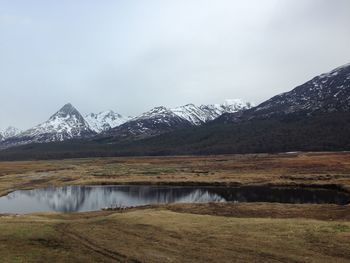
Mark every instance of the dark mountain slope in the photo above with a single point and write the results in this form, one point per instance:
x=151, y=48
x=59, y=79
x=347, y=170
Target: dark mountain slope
x=324, y=132
x=329, y=92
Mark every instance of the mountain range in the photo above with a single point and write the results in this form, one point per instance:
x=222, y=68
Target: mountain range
x=67, y=123
x=314, y=116
x=162, y=120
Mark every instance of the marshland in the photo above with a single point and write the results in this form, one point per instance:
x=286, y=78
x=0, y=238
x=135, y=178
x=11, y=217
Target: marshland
x=172, y=232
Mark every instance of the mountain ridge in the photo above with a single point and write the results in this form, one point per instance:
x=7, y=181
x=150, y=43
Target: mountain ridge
x=327, y=92
x=67, y=123
x=160, y=120
x=319, y=98
x=314, y=116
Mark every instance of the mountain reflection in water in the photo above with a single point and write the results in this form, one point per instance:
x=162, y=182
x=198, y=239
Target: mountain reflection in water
x=90, y=198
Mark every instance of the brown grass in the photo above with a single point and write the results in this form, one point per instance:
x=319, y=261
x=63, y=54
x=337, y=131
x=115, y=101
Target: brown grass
x=325, y=212
x=159, y=235
x=281, y=169
x=182, y=233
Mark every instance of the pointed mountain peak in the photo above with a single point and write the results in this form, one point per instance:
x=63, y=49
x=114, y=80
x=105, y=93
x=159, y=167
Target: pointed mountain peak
x=67, y=110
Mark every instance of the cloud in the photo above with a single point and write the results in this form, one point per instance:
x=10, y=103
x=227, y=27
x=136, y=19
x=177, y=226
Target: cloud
x=134, y=55
x=11, y=20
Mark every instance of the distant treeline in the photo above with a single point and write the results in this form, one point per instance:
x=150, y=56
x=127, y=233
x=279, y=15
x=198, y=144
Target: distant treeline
x=324, y=132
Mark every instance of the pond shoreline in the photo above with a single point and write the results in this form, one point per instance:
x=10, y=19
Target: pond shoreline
x=84, y=198
x=335, y=187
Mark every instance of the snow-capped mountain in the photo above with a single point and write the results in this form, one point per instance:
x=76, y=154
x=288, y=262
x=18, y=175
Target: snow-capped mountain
x=151, y=123
x=160, y=120
x=312, y=116
x=191, y=113
x=326, y=93
x=105, y=120
x=68, y=123
x=65, y=124
x=9, y=132
x=204, y=113
x=229, y=106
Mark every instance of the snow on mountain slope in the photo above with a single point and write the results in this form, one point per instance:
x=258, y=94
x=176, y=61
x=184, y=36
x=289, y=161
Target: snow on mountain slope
x=160, y=120
x=67, y=123
x=105, y=120
x=204, y=113
x=191, y=113
x=9, y=132
x=328, y=92
x=157, y=113
x=229, y=106
x=151, y=123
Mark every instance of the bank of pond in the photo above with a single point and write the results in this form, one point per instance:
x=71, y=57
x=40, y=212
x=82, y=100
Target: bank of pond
x=69, y=199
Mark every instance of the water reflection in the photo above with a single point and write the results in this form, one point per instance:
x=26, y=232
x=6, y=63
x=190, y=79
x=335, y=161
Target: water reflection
x=89, y=198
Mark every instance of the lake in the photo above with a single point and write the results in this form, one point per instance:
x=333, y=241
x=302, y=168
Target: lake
x=90, y=198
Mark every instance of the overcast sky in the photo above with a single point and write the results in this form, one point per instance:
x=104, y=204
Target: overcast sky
x=132, y=55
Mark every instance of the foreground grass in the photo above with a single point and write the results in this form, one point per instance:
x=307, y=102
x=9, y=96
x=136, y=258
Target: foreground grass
x=160, y=235
x=182, y=233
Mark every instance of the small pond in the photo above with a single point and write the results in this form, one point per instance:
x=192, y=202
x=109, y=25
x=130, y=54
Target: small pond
x=89, y=198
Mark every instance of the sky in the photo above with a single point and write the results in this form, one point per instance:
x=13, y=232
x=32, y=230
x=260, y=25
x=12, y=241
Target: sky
x=133, y=55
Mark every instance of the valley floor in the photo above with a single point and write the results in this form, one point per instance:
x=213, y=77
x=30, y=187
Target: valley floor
x=255, y=232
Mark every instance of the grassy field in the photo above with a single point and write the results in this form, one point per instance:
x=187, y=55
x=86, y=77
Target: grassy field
x=258, y=232
x=161, y=235
x=322, y=169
